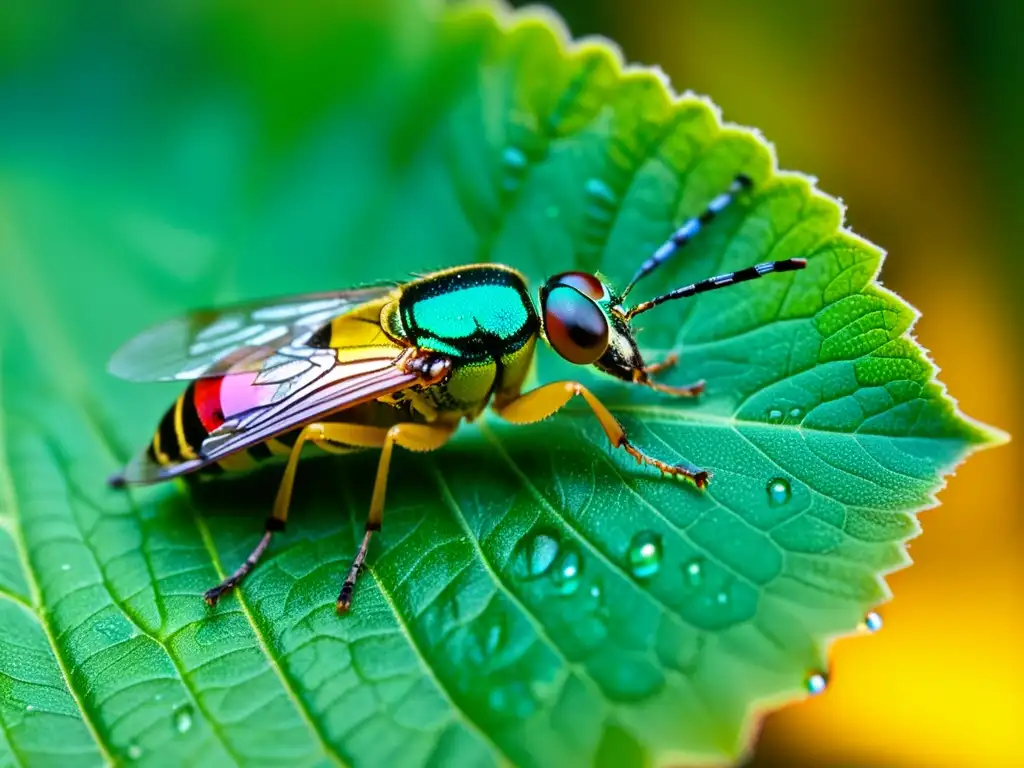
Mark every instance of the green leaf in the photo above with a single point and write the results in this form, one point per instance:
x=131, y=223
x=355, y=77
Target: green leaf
x=510, y=612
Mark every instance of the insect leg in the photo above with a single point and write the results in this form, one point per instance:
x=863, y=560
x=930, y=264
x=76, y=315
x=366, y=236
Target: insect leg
x=277, y=519
x=544, y=401
x=661, y=365
x=414, y=437
x=643, y=376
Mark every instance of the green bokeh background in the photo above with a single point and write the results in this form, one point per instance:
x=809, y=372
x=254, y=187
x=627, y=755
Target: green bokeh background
x=911, y=112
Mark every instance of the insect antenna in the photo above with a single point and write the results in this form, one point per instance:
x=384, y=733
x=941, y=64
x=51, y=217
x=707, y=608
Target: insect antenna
x=689, y=230
x=720, y=281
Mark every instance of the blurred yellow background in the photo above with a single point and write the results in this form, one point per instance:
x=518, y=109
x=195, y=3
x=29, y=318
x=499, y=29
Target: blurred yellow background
x=912, y=113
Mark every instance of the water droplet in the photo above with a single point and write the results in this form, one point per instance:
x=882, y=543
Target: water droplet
x=535, y=556
x=796, y=413
x=30, y=708
x=816, y=683
x=872, y=622
x=722, y=598
x=515, y=164
x=601, y=193
x=65, y=566
x=645, y=554
x=488, y=634
x=493, y=638
x=134, y=751
x=775, y=416
x=566, y=575
x=513, y=699
x=598, y=606
x=779, y=491
x=693, y=571
x=513, y=158
x=183, y=718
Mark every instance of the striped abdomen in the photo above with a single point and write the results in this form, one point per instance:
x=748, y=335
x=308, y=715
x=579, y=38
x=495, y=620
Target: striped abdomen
x=201, y=408
x=195, y=414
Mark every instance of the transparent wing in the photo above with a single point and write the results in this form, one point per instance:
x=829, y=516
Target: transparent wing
x=325, y=387
x=214, y=342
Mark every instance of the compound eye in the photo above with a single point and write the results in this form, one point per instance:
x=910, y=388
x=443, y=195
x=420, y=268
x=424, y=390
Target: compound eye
x=584, y=282
x=575, y=326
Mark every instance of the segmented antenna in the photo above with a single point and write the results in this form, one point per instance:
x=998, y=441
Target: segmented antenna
x=720, y=281
x=689, y=230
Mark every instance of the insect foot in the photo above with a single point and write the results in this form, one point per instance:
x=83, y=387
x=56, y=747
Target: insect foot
x=211, y=596
x=700, y=479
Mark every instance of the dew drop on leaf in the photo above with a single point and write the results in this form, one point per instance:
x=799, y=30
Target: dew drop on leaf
x=183, y=718
x=693, y=571
x=600, y=193
x=816, y=683
x=30, y=708
x=488, y=637
x=796, y=413
x=722, y=598
x=513, y=700
x=872, y=622
x=644, y=554
x=598, y=604
x=566, y=574
x=779, y=491
x=775, y=416
x=514, y=162
x=134, y=752
x=535, y=555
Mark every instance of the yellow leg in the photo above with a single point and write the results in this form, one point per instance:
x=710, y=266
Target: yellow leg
x=544, y=401
x=415, y=437
x=643, y=376
x=662, y=365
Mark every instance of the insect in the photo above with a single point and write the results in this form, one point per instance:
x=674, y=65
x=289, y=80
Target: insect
x=393, y=365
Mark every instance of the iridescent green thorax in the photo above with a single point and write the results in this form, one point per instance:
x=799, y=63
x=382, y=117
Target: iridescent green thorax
x=472, y=313
x=482, y=317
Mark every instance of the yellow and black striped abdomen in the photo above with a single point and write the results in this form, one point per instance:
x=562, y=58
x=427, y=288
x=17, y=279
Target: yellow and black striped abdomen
x=198, y=411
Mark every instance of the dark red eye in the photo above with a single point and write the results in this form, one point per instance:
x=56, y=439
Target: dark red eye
x=583, y=282
x=575, y=325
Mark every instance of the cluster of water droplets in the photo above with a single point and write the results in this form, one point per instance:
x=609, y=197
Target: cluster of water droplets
x=817, y=681
x=543, y=556
x=514, y=166
x=645, y=556
x=788, y=416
